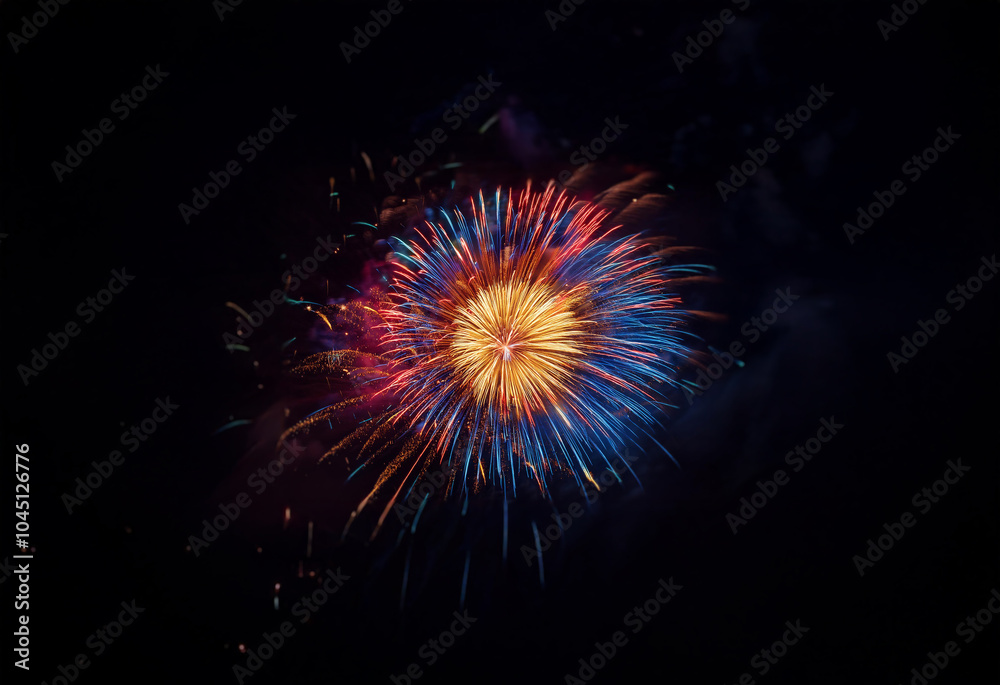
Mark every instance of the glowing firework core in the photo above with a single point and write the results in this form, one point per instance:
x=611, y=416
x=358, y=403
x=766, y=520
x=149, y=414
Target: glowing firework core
x=516, y=344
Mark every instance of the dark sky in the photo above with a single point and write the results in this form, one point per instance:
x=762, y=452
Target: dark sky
x=863, y=98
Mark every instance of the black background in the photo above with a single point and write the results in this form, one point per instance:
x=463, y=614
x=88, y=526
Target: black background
x=826, y=357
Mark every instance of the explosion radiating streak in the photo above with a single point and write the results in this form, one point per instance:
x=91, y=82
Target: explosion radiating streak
x=522, y=339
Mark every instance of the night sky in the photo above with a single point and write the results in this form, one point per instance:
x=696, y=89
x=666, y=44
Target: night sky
x=832, y=513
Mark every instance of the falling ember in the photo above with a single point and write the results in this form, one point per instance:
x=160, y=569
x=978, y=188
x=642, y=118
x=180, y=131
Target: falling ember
x=525, y=338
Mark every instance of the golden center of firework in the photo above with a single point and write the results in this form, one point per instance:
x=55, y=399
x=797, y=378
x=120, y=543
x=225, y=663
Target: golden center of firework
x=516, y=344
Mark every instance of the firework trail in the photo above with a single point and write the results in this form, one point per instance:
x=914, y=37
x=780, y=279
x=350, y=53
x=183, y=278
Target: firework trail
x=523, y=339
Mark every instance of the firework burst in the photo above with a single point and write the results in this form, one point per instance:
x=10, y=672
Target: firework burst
x=524, y=339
